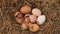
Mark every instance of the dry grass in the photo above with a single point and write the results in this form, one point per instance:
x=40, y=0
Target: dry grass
x=50, y=8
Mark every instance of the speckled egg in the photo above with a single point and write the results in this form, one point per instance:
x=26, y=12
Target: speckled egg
x=36, y=12
x=25, y=9
x=32, y=18
x=41, y=19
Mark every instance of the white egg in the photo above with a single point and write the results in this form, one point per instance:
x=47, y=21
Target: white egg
x=36, y=12
x=41, y=19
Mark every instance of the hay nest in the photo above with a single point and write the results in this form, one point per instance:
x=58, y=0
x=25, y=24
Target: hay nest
x=50, y=8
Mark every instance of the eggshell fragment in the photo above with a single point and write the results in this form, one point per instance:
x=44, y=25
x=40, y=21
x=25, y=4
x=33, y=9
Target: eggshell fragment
x=27, y=15
x=32, y=18
x=36, y=12
x=25, y=9
x=41, y=19
x=34, y=27
x=16, y=14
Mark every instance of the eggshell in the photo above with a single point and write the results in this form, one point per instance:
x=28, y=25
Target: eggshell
x=32, y=18
x=25, y=9
x=16, y=14
x=36, y=12
x=34, y=28
x=27, y=15
x=41, y=19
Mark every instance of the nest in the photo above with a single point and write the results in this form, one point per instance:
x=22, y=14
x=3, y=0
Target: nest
x=50, y=8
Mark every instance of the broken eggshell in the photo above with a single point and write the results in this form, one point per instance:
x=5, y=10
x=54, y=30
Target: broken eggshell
x=16, y=14
x=36, y=12
x=27, y=15
x=41, y=19
x=33, y=27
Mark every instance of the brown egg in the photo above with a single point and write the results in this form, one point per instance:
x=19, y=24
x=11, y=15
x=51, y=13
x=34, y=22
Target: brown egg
x=32, y=18
x=25, y=9
x=34, y=27
x=16, y=14
x=20, y=21
x=24, y=26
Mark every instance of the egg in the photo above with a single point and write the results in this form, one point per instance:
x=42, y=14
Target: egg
x=25, y=9
x=32, y=18
x=36, y=12
x=41, y=19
